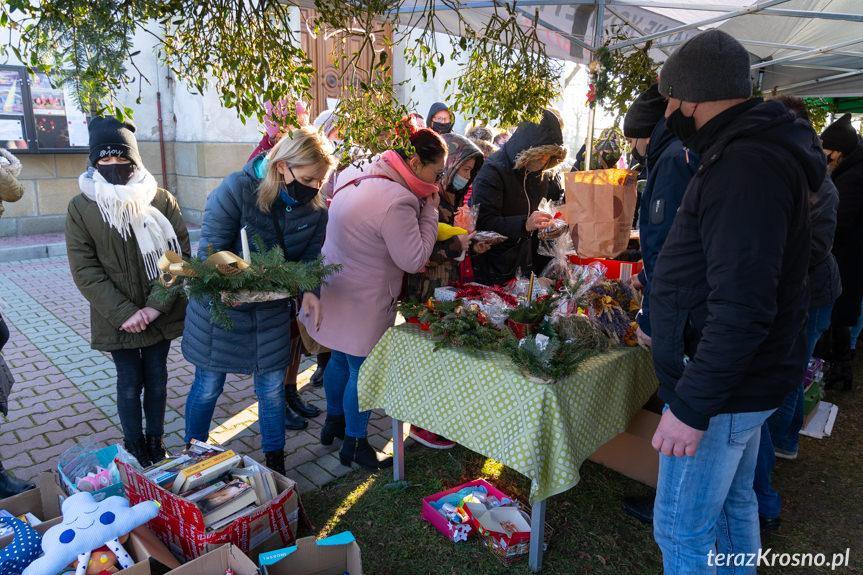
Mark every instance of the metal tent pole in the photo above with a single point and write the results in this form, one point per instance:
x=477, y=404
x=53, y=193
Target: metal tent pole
x=591, y=114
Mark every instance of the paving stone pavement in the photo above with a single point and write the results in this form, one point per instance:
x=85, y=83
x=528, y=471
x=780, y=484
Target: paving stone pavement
x=65, y=392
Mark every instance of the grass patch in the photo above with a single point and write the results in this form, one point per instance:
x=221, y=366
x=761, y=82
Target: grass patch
x=822, y=492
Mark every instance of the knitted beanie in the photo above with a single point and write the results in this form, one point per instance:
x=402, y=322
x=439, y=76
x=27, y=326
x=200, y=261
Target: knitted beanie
x=708, y=67
x=840, y=136
x=644, y=113
x=109, y=137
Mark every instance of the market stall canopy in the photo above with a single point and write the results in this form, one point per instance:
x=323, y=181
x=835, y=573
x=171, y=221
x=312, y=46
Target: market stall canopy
x=802, y=47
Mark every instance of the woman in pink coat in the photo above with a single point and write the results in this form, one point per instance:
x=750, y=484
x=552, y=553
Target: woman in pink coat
x=382, y=224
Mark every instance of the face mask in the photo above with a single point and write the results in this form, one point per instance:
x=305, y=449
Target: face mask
x=682, y=127
x=638, y=157
x=116, y=174
x=300, y=193
x=441, y=127
x=458, y=182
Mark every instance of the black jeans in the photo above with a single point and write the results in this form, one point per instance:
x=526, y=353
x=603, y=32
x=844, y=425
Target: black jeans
x=140, y=369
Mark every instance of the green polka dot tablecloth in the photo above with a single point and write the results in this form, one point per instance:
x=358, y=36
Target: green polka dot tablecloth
x=483, y=402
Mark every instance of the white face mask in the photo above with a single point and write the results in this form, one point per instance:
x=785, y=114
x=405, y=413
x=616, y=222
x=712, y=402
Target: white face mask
x=459, y=182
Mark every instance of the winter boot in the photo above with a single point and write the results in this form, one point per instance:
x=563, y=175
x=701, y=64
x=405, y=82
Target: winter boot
x=11, y=485
x=292, y=398
x=294, y=420
x=317, y=379
x=155, y=448
x=334, y=426
x=275, y=460
x=138, y=449
x=359, y=451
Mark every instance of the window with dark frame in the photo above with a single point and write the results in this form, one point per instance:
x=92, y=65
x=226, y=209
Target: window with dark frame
x=36, y=118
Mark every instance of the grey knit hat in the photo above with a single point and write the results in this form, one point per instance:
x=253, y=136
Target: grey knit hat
x=707, y=67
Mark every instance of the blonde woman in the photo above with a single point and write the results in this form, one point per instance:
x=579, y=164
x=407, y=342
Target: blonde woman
x=277, y=198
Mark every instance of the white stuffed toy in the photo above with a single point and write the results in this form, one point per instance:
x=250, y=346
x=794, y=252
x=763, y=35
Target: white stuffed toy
x=87, y=525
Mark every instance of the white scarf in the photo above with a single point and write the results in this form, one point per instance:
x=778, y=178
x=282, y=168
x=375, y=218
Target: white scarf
x=127, y=207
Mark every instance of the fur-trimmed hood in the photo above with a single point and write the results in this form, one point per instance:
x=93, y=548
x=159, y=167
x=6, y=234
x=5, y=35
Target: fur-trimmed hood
x=531, y=141
x=557, y=154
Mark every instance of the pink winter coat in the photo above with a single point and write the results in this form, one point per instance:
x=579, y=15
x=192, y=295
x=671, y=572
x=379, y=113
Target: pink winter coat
x=377, y=231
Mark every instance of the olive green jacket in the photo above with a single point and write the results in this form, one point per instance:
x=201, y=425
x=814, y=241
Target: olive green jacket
x=110, y=273
x=11, y=189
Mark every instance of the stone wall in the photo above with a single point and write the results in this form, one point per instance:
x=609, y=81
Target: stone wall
x=193, y=170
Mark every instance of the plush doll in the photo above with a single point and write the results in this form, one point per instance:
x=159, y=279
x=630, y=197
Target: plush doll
x=103, y=561
x=23, y=549
x=88, y=525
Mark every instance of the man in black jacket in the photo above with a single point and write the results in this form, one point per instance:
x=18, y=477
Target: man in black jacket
x=508, y=189
x=845, y=159
x=729, y=300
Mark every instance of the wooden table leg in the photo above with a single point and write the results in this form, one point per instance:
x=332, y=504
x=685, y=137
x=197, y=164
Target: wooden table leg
x=399, y=452
x=537, y=535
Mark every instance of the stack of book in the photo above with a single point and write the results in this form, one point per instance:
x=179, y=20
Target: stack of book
x=213, y=479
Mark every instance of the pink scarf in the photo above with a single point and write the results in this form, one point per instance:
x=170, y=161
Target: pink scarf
x=416, y=185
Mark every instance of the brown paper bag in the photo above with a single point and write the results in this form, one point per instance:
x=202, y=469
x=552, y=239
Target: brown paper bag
x=599, y=207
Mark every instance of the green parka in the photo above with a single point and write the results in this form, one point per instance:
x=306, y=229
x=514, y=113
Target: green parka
x=110, y=273
x=11, y=189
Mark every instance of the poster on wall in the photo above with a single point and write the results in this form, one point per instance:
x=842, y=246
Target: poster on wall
x=11, y=93
x=13, y=135
x=49, y=112
x=76, y=123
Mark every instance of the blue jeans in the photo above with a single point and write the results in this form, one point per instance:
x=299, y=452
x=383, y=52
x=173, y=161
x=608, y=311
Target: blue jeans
x=769, y=500
x=143, y=369
x=855, y=331
x=782, y=429
x=705, y=503
x=340, y=385
x=205, y=392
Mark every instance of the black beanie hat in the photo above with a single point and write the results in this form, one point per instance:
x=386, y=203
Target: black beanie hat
x=110, y=137
x=644, y=113
x=708, y=67
x=840, y=136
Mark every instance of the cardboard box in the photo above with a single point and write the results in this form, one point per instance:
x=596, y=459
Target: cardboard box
x=334, y=555
x=617, y=269
x=104, y=456
x=43, y=502
x=217, y=561
x=455, y=531
x=150, y=555
x=630, y=452
x=181, y=526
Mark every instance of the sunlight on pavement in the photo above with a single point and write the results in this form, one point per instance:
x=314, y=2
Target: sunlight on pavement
x=345, y=506
x=244, y=419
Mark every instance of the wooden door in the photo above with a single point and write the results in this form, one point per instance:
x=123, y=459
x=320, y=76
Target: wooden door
x=327, y=82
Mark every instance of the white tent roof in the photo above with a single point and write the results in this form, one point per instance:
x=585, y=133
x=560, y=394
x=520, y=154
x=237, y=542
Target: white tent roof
x=802, y=47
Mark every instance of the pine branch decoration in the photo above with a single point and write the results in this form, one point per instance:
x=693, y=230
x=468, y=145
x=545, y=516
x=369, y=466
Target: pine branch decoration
x=550, y=363
x=268, y=272
x=467, y=327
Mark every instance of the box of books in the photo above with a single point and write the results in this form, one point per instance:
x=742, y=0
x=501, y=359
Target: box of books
x=211, y=496
x=335, y=554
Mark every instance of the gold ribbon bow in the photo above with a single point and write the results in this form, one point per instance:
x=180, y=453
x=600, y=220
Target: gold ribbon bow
x=172, y=266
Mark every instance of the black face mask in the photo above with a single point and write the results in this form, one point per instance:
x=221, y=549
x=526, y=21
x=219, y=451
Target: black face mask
x=441, y=127
x=301, y=193
x=682, y=127
x=638, y=157
x=117, y=174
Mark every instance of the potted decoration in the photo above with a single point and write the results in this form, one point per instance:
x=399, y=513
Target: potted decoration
x=522, y=320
